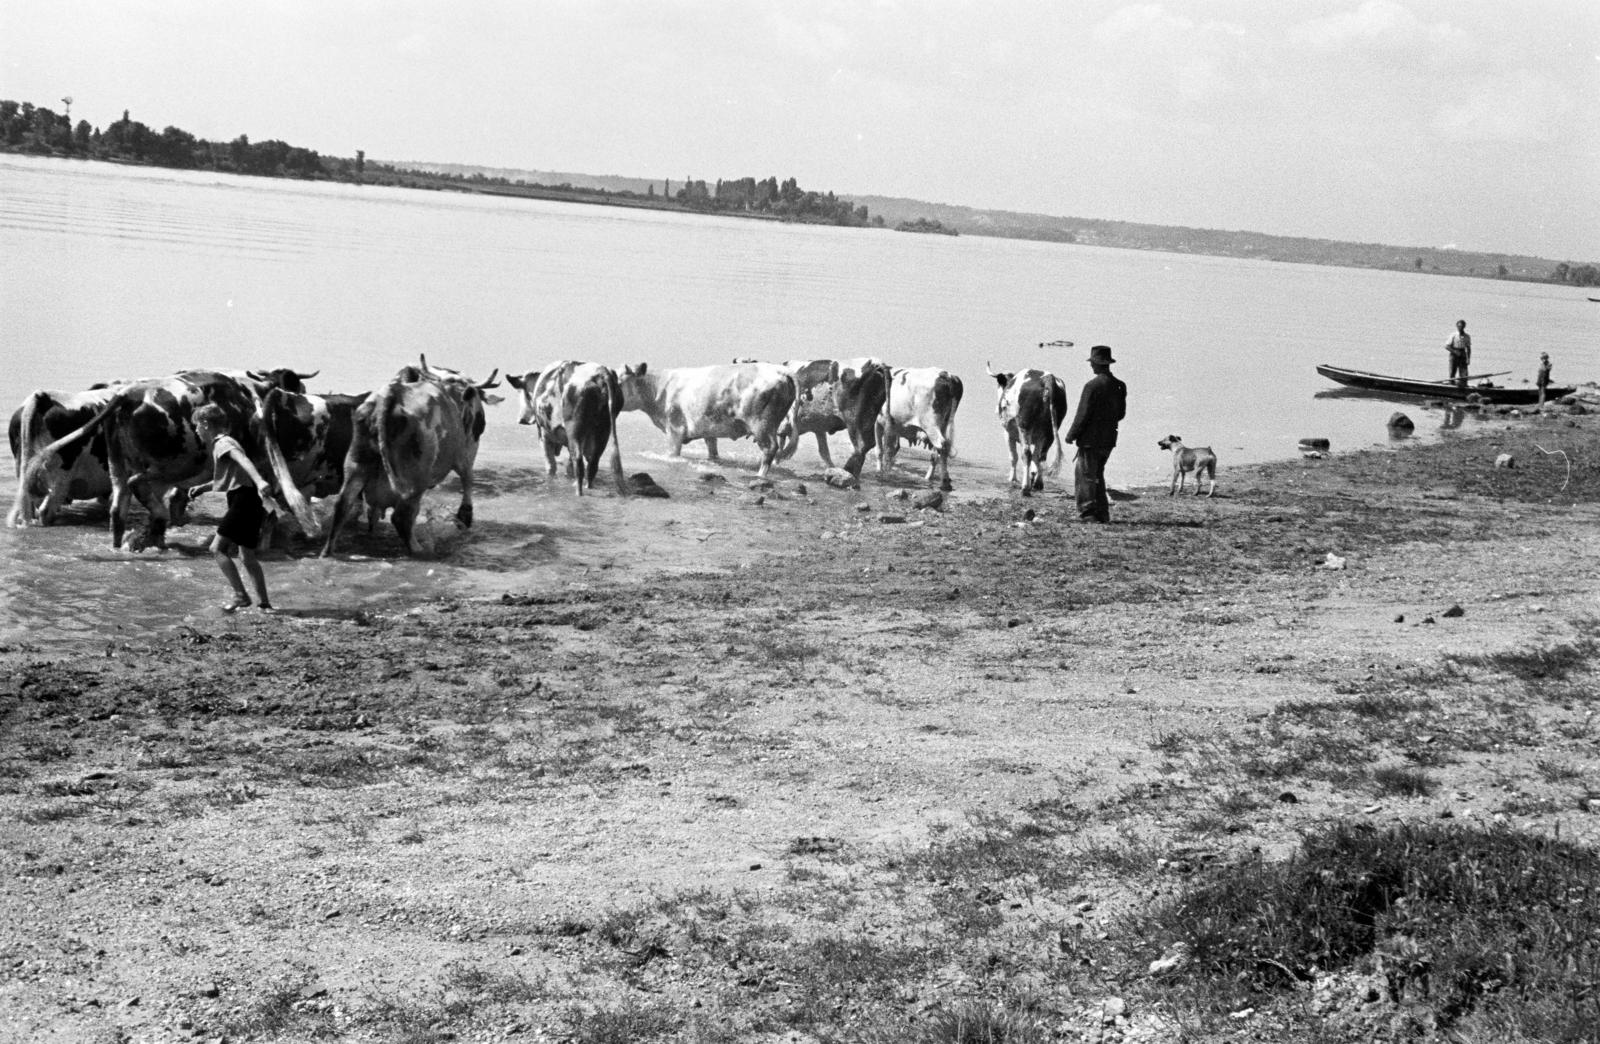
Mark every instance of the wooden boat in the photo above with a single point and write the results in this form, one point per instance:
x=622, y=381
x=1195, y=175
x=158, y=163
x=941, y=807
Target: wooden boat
x=1483, y=390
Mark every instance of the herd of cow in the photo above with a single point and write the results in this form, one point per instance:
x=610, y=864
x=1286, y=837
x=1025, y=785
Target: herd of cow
x=136, y=440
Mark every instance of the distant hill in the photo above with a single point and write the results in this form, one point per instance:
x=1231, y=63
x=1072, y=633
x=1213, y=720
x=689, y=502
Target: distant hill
x=1181, y=240
x=898, y=212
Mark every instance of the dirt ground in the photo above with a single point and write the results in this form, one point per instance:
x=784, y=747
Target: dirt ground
x=727, y=806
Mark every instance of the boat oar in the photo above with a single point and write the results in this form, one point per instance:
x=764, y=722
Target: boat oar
x=1474, y=377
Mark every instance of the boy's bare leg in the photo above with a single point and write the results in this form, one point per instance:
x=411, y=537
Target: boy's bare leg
x=252, y=565
x=220, y=549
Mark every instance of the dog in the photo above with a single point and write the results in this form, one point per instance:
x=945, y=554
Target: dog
x=1199, y=460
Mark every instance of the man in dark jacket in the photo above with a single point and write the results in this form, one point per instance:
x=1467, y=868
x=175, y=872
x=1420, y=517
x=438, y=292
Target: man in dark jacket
x=1101, y=405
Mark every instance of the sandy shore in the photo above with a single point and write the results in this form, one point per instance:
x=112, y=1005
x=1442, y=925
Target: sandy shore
x=644, y=809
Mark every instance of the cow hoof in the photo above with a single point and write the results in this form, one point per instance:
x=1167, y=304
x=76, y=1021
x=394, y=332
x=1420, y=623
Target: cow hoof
x=946, y=486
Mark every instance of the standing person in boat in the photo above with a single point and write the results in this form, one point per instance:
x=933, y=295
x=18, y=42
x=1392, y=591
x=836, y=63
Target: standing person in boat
x=1543, y=379
x=1101, y=405
x=1460, y=349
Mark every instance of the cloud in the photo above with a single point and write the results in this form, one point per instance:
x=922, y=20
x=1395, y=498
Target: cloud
x=1521, y=107
x=1378, y=25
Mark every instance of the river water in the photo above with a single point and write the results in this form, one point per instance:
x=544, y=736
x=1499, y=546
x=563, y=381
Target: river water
x=108, y=272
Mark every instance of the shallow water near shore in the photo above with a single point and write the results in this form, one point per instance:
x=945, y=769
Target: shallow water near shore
x=109, y=272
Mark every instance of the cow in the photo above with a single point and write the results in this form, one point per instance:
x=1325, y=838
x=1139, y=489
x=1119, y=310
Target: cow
x=307, y=438
x=82, y=472
x=839, y=395
x=280, y=377
x=1031, y=405
x=921, y=406
x=591, y=399
x=716, y=402
x=77, y=472
x=541, y=406
x=152, y=448
x=421, y=426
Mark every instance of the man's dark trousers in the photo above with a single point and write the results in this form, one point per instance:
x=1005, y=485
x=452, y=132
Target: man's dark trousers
x=1089, y=484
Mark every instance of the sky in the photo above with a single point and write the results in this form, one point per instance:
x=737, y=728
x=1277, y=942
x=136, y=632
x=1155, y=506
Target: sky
x=1472, y=124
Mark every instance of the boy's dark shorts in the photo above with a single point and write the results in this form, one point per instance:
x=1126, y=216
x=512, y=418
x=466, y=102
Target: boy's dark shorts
x=246, y=515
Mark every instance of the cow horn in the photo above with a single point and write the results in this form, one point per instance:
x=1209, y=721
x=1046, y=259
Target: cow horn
x=423, y=356
x=308, y=376
x=491, y=382
x=255, y=375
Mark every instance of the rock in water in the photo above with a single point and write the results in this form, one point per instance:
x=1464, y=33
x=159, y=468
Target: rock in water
x=1400, y=424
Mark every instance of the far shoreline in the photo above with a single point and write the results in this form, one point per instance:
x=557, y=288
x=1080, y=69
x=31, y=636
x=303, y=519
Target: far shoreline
x=964, y=220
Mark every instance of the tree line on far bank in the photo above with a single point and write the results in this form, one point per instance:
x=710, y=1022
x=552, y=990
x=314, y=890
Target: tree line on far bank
x=27, y=128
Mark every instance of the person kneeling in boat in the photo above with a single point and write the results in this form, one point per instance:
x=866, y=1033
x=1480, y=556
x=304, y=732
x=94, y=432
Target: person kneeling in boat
x=1460, y=349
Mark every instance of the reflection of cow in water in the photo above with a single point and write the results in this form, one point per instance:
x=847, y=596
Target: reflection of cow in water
x=409, y=435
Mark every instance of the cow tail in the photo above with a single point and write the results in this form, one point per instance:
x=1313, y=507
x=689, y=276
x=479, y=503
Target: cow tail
x=23, y=508
x=1055, y=430
x=950, y=425
x=36, y=461
x=288, y=489
x=380, y=417
x=884, y=415
x=613, y=409
x=793, y=421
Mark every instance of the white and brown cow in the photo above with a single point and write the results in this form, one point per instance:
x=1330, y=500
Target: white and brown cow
x=716, y=402
x=590, y=402
x=1031, y=406
x=541, y=392
x=921, y=407
x=407, y=436
x=76, y=472
x=839, y=395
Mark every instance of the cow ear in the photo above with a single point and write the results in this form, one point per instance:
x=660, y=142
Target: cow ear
x=515, y=381
x=641, y=369
x=493, y=400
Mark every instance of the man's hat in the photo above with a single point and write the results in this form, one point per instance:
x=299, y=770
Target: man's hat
x=1101, y=353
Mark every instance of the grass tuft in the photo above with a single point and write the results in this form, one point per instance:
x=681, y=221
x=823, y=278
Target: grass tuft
x=1001, y=1021
x=1495, y=926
